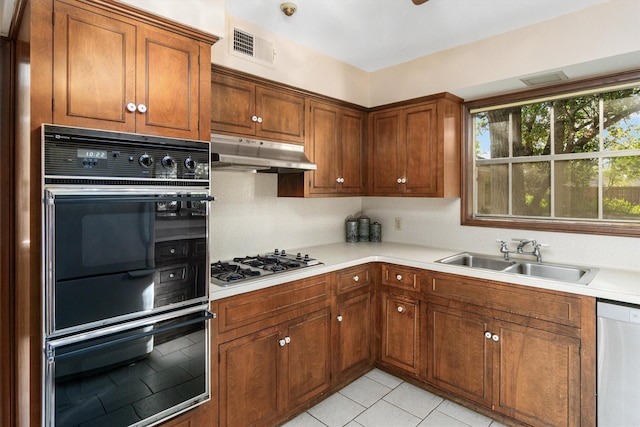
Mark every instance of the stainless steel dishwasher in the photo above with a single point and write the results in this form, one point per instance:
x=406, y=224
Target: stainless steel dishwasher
x=618, y=365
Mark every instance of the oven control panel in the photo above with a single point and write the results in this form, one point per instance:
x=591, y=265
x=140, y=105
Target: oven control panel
x=73, y=155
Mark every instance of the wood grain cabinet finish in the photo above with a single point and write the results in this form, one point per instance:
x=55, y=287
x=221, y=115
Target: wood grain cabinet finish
x=336, y=144
x=353, y=323
x=245, y=108
x=400, y=332
x=527, y=354
x=400, y=277
x=114, y=73
x=415, y=148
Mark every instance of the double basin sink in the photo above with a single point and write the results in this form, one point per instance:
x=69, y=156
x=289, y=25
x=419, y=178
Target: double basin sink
x=563, y=273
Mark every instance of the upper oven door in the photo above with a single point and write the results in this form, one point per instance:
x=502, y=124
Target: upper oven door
x=113, y=255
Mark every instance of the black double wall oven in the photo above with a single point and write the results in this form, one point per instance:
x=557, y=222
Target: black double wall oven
x=126, y=277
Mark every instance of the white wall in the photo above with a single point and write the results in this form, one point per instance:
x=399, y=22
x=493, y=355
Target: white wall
x=248, y=218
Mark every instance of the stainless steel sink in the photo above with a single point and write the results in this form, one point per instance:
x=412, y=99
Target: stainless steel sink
x=478, y=261
x=563, y=273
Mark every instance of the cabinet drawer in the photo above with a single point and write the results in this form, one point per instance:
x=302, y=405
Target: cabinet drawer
x=539, y=304
x=272, y=305
x=353, y=278
x=172, y=274
x=172, y=250
x=400, y=277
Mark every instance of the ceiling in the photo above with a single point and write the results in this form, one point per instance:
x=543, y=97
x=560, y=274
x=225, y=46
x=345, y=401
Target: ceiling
x=375, y=34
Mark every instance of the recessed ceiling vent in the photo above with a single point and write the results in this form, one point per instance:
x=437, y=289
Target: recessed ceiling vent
x=251, y=47
x=544, y=79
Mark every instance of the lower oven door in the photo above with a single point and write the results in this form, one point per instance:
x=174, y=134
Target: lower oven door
x=134, y=374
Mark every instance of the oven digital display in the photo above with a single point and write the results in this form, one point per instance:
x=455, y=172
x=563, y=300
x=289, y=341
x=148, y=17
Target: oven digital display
x=85, y=153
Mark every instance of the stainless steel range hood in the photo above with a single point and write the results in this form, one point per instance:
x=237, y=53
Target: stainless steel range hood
x=251, y=155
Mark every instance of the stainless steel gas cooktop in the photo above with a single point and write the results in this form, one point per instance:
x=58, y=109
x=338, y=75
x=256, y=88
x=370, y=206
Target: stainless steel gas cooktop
x=241, y=269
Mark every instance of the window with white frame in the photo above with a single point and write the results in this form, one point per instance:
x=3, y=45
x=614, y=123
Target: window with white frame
x=571, y=158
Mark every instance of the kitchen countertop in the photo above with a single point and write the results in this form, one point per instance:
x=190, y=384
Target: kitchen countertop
x=614, y=284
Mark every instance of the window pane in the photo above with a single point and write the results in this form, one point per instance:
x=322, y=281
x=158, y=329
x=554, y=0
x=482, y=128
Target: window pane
x=531, y=189
x=576, y=124
x=493, y=189
x=531, y=130
x=621, y=182
x=492, y=134
x=622, y=120
x=576, y=188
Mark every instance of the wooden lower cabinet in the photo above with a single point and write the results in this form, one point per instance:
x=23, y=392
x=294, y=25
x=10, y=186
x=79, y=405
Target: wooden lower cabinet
x=273, y=370
x=353, y=336
x=400, y=332
x=538, y=372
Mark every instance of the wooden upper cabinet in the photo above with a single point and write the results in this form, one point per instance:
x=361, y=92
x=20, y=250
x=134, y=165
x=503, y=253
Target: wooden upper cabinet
x=336, y=145
x=115, y=73
x=245, y=108
x=415, y=148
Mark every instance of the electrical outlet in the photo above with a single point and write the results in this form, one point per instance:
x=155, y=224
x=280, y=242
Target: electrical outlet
x=398, y=223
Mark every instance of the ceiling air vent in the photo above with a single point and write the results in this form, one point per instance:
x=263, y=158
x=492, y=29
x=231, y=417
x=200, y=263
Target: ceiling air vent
x=543, y=79
x=248, y=46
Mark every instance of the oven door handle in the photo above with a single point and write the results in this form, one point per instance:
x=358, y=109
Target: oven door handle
x=51, y=346
x=142, y=273
x=150, y=198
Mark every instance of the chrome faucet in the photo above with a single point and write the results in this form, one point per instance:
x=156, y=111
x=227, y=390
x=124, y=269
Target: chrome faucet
x=504, y=249
x=535, y=251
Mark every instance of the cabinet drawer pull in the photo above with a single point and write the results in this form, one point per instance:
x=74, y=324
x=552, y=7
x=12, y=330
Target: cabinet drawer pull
x=398, y=276
x=356, y=278
x=339, y=318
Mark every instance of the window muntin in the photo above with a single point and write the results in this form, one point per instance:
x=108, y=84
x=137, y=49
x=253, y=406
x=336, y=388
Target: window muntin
x=570, y=158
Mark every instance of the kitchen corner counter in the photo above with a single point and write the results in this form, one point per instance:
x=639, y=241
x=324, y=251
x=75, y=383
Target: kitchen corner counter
x=614, y=284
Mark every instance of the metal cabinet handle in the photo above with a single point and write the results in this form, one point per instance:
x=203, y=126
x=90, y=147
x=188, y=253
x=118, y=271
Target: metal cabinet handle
x=356, y=278
x=339, y=318
x=142, y=108
x=398, y=276
x=172, y=251
x=400, y=309
x=131, y=107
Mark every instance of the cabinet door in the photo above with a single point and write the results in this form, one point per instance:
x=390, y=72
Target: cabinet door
x=233, y=104
x=385, y=152
x=459, y=354
x=168, y=84
x=93, y=69
x=281, y=115
x=324, y=147
x=308, y=371
x=420, y=161
x=400, y=332
x=353, y=321
x=248, y=379
x=537, y=376
x=351, y=161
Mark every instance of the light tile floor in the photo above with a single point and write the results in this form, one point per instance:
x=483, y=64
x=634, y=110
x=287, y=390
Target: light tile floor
x=378, y=399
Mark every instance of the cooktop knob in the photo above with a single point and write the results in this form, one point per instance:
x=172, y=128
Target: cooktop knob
x=306, y=257
x=168, y=162
x=283, y=252
x=145, y=160
x=298, y=255
x=190, y=163
x=276, y=252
